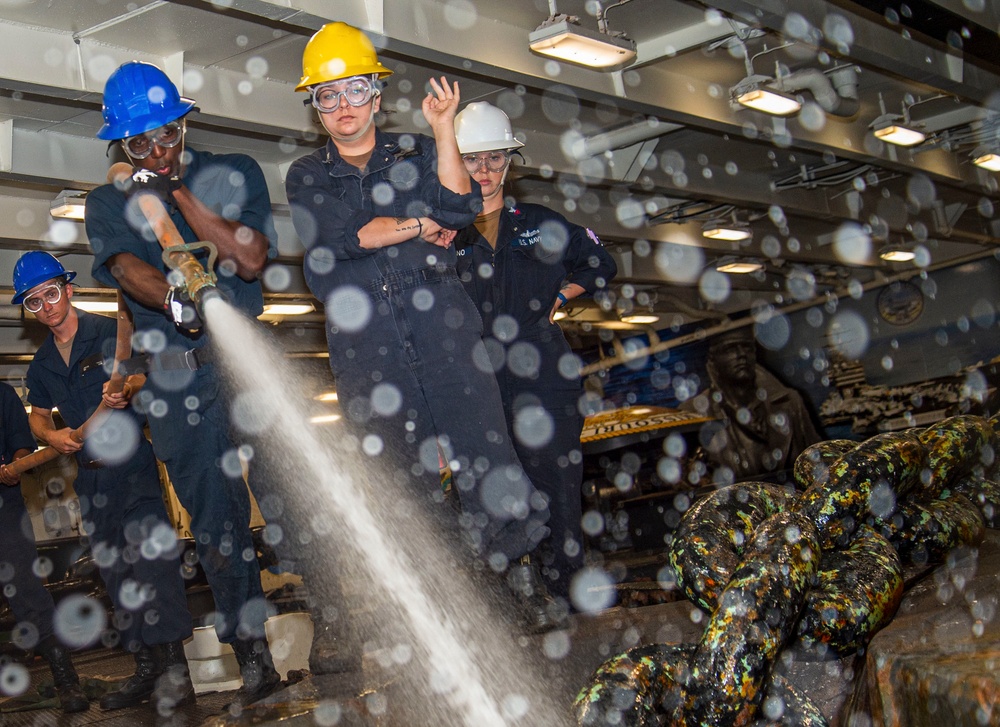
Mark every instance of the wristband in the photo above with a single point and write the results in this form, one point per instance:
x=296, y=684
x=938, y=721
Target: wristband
x=563, y=298
x=420, y=226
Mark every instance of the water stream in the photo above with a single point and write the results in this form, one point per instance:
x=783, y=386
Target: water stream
x=474, y=671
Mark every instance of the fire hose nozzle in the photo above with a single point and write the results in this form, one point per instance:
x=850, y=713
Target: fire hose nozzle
x=199, y=280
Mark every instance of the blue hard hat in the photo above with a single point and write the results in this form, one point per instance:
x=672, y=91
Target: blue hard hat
x=138, y=97
x=34, y=268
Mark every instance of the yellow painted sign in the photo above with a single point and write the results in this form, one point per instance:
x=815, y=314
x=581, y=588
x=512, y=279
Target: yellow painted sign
x=636, y=419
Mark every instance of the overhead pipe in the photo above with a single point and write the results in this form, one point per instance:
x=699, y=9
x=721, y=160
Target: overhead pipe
x=635, y=133
x=623, y=357
x=836, y=92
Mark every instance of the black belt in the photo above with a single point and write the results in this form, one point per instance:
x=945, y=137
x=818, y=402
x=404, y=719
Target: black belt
x=409, y=279
x=190, y=360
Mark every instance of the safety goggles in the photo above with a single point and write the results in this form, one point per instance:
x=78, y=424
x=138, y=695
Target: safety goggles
x=167, y=136
x=50, y=294
x=356, y=91
x=495, y=161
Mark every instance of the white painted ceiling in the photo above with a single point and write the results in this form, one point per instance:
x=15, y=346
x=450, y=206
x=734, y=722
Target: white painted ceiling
x=822, y=195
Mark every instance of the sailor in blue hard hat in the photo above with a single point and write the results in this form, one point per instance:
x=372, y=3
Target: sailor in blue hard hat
x=222, y=199
x=117, y=481
x=143, y=109
x=34, y=268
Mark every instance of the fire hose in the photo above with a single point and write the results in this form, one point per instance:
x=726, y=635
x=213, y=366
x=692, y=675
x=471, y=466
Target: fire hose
x=177, y=255
x=117, y=383
x=199, y=280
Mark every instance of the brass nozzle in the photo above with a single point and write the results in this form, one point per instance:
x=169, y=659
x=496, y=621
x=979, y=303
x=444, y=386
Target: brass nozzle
x=198, y=281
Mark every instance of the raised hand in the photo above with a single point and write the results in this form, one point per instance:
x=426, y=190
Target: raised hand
x=441, y=105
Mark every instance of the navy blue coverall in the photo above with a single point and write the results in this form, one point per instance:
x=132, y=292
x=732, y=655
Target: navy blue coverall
x=29, y=600
x=187, y=410
x=405, y=340
x=514, y=287
x=118, y=486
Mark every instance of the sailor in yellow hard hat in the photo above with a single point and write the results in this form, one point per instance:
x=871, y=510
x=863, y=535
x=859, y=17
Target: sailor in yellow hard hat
x=340, y=62
x=377, y=212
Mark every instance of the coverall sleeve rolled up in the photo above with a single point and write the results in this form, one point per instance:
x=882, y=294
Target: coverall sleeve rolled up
x=450, y=210
x=320, y=218
x=111, y=230
x=455, y=211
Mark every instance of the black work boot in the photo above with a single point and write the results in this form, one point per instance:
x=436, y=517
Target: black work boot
x=541, y=612
x=257, y=669
x=138, y=687
x=173, y=688
x=333, y=651
x=67, y=683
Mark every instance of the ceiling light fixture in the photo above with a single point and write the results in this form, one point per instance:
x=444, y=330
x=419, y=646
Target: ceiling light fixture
x=988, y=161
x=613, y=325
x=897, y=254
x=640, y=319
x=96, y=306
x=898, y=129
x=288, y=309
x=728, y=231
x=769, y=101
x=69, y=204
x=899, y=134
x=562, y=37
x=327, y=396
x=739, y=268
x=764, y=94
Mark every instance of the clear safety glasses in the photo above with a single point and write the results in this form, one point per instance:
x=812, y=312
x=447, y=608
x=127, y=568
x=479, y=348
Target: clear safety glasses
x=50, y=294
x=495, y=161
x=167, y=136
x=356, y=91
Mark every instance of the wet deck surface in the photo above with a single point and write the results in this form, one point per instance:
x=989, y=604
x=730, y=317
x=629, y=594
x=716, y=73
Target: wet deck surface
x=933, y=647
x=107, y=666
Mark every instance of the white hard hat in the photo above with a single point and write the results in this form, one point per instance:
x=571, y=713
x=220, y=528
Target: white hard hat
x=483, y=127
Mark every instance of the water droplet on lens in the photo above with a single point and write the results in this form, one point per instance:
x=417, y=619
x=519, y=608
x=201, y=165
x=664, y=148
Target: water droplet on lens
x=79, y=621
x=592, y=590
x=14, y=679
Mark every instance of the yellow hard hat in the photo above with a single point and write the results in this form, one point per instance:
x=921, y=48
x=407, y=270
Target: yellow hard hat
x=338, y=50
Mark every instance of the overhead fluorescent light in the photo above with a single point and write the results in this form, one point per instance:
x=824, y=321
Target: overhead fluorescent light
x=327, y=396
x=640, y=319
x=739, y=268
x=68, y=205
x=897, y=255
x=288, y=309
x=613, y=325
x=988, y=161
x=730, y=233
x=899, y=135
x=324, y=419
x=96, y=306
x=563, y=39
x=769, y=100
